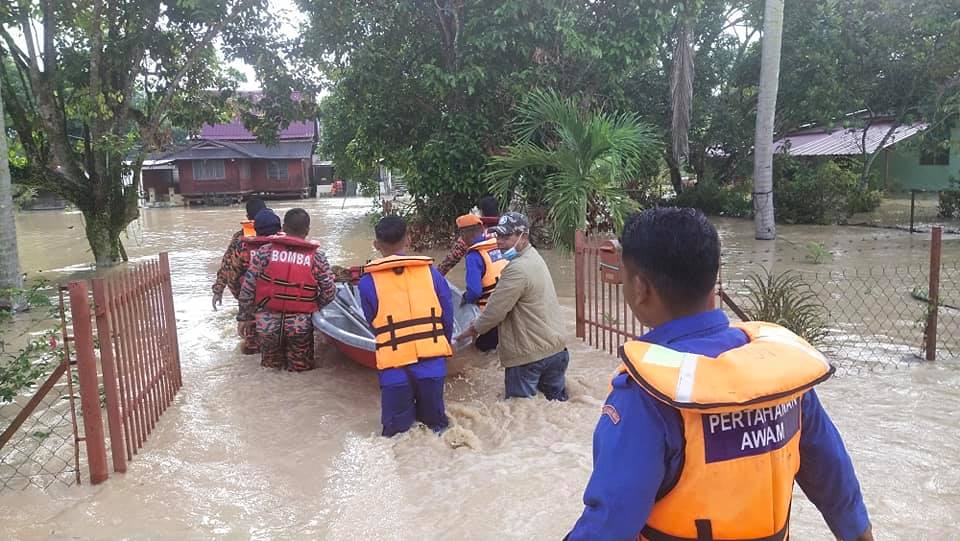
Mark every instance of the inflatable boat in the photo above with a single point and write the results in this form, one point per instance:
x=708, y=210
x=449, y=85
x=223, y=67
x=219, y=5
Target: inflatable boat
x=342, y=321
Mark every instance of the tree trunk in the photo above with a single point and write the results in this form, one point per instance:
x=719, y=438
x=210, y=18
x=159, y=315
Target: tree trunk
x=676, y=177
x=10, y=277
x=681, y=94
x=763, y=215
x=104, y=239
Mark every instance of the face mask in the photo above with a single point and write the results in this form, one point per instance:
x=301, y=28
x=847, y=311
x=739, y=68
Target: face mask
x=512, y=253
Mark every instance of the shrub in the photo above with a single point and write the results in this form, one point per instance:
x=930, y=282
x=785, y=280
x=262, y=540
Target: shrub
x=785, y=299
x=715, y=200
x=949, y=206
x=825, y=193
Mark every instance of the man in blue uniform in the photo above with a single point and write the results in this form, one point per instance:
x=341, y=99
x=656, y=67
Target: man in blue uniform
x=484, y=264
x=670, y=262
x=411, y=383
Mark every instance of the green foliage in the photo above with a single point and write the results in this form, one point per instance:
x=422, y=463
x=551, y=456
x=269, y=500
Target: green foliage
x=715, y=200
x=88, y=102
x=949, y=205
x=861, y=200
x=28, y=364
x=430, y=87
x=579, y=160
x=807, y=192
x=785, y=299
x=817, y=253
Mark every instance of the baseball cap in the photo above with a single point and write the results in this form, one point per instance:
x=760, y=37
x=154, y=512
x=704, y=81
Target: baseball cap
x=468, y=220
x=511, y=223
x=266, y=223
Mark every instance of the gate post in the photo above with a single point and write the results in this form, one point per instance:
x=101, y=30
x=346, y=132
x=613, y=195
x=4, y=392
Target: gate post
x=579, y=281
x=170, y=315
x=89, y=389
x=110, y=380
x=933, y=293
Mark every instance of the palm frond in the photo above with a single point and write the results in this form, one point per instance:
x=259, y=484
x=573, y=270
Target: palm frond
x=587, y=156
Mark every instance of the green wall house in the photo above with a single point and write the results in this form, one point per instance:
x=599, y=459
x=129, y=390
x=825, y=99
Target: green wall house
x=924, y=167
x=913, y=158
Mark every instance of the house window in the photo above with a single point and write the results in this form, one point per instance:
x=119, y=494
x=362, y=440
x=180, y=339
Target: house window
x=276, y=170
x=208, y=170
x=245, y=169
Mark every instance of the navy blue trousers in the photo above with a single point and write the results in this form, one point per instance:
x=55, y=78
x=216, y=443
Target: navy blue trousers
x=420, y=399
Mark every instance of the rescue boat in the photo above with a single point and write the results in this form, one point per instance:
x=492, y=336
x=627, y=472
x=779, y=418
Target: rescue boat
x=343, y=323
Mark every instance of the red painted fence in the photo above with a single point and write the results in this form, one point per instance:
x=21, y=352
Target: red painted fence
x=139, y=359
x=603, y=318
x=605, y=321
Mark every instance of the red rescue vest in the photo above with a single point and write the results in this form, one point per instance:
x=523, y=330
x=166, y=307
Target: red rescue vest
x=287, y=284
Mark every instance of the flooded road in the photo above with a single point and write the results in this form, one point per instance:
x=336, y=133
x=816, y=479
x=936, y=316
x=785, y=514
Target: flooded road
x=248, y=453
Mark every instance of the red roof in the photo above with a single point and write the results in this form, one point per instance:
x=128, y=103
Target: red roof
x=234, y=131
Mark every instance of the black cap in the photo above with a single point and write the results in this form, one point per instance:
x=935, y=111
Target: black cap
x=510, y=223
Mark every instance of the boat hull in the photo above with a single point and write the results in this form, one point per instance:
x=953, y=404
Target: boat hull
x=343, y=324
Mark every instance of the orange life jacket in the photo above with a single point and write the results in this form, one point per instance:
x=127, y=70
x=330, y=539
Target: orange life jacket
x=248, y=229
x=741, y=417
x=287, y=284
x=493, y=263
x=408, y=325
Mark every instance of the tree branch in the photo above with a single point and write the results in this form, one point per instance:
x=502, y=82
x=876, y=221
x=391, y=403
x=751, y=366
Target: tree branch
x=192, y=59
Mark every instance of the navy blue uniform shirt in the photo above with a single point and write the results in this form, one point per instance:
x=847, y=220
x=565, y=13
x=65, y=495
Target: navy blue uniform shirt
x=637, y=457
x=476, y=268
x=426, y=368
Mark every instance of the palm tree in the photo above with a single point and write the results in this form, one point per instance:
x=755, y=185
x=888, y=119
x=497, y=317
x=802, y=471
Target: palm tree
x=763, y=216
x=10, y=277
x=580, y=161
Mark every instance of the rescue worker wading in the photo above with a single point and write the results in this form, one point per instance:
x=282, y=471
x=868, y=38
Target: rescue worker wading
x=232, y=265
x=489, y=217
x=265, y=224
x=288, y=279
x=708, y=424
x=408, y=305
x=484, y=263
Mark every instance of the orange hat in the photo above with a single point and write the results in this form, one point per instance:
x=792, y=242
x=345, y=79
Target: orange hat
x=468, y=220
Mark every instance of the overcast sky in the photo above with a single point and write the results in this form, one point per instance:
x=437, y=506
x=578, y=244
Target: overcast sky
x=290, y=18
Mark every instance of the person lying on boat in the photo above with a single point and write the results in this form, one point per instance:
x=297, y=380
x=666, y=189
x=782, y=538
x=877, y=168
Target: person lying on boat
x=489, y=216
x=288, y=279
x=525, y=307
x=484, y=264
x=231, y=266
x=709, y=424
x=408, y=304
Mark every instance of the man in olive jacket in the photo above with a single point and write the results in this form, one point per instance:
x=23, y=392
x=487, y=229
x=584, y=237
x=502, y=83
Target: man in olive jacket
x=524, y=305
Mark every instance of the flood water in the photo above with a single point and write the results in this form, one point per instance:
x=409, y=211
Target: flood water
x=249, y=453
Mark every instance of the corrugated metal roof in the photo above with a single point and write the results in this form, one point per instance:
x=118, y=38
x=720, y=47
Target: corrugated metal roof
x=844, y=142
x=234, y=131
x=223, y=150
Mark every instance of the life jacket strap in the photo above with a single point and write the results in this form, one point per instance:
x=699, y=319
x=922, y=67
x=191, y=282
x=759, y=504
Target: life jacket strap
x=281, y=282
x=705, y=533
x=286, y=297
x=392, y=327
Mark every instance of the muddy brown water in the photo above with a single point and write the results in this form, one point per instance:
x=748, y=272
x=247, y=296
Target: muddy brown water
x=247, y=453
